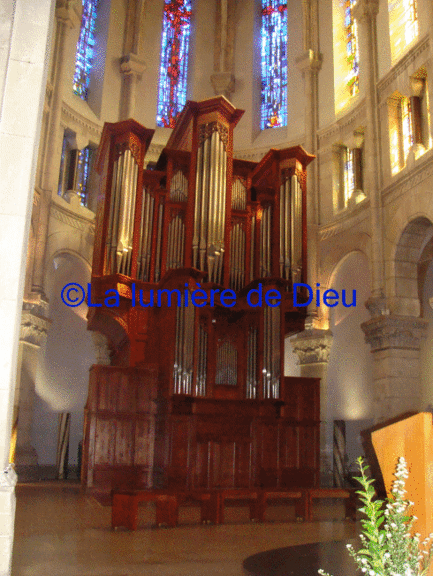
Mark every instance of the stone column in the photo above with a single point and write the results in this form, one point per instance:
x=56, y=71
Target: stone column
x=25, y=33
x=131, y=67
x=34, y=326
x=310, y=63
x=312, y=347
x=68, y=17
x=395, y=344
x=223, y=80
x=365, y=12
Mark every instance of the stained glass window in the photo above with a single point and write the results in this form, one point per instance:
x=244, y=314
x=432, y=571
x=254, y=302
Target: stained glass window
x=86, y=43
x=406, y=126
x=349, y=175
x=173, y=72
x=83, y=172
x=403, y=26
x=352, y=55
x=274, y=64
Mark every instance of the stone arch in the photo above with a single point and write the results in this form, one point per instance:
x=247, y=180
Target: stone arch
x=411, y=249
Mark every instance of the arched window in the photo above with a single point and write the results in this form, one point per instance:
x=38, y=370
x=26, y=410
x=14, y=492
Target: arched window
x=403, y=26
x=273, y=109
x=84, y=53
x=173, y=71
x=346, y=53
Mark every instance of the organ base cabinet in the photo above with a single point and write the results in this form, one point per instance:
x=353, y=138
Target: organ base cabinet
x=198, y=276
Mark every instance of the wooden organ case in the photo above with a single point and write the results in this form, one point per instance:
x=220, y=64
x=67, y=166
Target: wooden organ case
x=194, y=396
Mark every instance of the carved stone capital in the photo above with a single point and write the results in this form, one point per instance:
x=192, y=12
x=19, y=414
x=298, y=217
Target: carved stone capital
x=223, y=83
x=69, y=12
x=404, y=332
x=309, y=60
x=8, y=478
x=101, y=349
x=365, y=10
x=132, y=64
x=34, y=324
x=312, y=346
x=377, y=306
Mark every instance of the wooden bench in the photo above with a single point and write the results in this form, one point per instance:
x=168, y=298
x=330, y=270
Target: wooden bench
x=167, y=502
x=240, y=496
x=300, y=497
x=348, y=495
x=125, y=507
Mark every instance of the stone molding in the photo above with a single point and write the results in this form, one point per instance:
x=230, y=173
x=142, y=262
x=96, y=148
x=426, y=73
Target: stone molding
x=34, y=328
x=8, y=479
x=345, y=220
x=312, y=346
x=409, y=181
x=132, y=64
x=69, y=115
x=402, y=332
x=71, y=219
x=403, y=64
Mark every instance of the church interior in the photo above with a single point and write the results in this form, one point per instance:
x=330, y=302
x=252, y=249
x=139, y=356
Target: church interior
x=214, y=145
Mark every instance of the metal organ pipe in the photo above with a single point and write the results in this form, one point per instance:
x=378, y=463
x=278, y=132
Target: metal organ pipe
x=146, y=228
x=184, y=349
x=202, y=362
x=251, y=391
x=296, y=226
x=271, y=354
x=209, y=209
x=159, y=243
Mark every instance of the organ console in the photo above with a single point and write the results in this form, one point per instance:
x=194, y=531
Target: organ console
x=195, y=395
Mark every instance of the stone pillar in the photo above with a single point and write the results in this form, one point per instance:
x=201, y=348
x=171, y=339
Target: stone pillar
x=131, y=67
x=25, y=32
x=68, y=17
x=365, y=12
x=223, y=80
x=34, y=326
x=310, y=63
x=312, y=347
x=395, y=344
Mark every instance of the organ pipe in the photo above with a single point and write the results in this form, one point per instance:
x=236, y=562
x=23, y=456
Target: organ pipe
x=209, y=209
x=296, y=229
x=251, y=388
x=184, y=349
x=122, y=213
x=179, y=187
x=271, y=353
x=202, y=362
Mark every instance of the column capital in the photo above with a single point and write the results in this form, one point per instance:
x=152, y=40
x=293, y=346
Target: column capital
x=403, y=332
x=223, y=83
x=365, y=10
x=34, y=324
x=309, y=60
x=8, y=479
x=312, y=346
x=132, y=64
x=69, y=12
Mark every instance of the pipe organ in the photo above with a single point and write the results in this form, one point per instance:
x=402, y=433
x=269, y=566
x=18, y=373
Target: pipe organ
x=195, y=394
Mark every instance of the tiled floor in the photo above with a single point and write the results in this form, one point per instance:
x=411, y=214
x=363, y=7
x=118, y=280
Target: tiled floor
x=59, y=531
